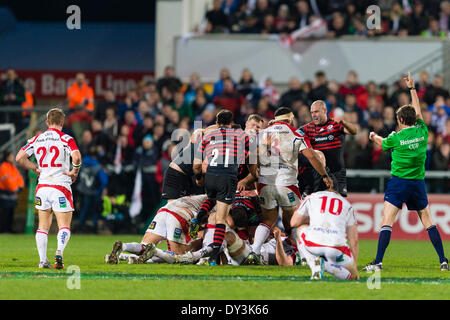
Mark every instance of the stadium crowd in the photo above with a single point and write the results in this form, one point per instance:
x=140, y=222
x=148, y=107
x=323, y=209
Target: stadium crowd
x=425, y=18
x=117, y=136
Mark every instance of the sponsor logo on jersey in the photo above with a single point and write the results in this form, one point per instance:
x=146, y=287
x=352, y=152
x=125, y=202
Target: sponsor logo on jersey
x=38, y=201
x=177, y=233
x=291, y=196
x=330, y=137
x=62, y=202
x=152, y=225
x=330, y=127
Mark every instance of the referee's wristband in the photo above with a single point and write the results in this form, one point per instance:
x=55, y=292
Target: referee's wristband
x=325, y=176
x=76, y=166
x=413, y=88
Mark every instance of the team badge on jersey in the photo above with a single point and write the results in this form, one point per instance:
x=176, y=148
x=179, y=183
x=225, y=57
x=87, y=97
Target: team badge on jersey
x=291, y=196
x=38, y=201
x=177, y=233
x=152, y=225
x=62, y=202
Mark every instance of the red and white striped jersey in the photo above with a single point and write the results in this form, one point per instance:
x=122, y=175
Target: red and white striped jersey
x=279, y=147
x=52, y=150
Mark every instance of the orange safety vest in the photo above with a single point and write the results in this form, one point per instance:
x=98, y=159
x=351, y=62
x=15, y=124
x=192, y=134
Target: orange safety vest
x=10, y=177
x=27, y=104
x=77, y=95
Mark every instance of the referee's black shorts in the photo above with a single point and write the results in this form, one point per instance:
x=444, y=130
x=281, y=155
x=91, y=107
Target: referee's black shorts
x=221, y=188
x=176, y=184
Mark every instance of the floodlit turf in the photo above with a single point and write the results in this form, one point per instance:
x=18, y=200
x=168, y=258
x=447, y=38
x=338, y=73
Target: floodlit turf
x=411, y=271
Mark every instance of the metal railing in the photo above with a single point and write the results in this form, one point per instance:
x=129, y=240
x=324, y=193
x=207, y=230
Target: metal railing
x=383, y=175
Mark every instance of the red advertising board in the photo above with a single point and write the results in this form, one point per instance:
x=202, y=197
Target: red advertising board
x=369, y=209
x=53, y=84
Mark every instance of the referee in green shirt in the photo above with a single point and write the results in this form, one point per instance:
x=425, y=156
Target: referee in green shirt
x=407, y=184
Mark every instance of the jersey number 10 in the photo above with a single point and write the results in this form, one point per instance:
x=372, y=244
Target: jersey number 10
x=334, y=206
x=43, y=150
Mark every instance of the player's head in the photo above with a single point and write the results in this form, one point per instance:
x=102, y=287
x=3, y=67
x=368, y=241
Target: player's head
x=55, y=118
x=406, y=115
x=284, y=114
x=239, y=216
x=254, y=123
x=224, y=118
x=319, y=112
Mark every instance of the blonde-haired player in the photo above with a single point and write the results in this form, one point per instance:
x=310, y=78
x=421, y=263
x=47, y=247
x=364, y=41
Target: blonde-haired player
x=53, y=150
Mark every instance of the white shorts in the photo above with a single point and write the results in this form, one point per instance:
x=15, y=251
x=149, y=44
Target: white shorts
x=341, y=255
x=55, y=197
x=271, y=195
x=167, y=226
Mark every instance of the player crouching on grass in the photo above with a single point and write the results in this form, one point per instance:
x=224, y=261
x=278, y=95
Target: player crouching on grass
x=171, y=223
x=324, y=222
x=407, y=184
x=53, y=150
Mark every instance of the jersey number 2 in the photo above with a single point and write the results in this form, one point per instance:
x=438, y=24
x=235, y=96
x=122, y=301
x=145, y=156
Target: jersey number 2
x=334, y=206
x=43, y=150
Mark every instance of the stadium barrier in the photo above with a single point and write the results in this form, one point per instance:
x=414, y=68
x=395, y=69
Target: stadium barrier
x=369, y=207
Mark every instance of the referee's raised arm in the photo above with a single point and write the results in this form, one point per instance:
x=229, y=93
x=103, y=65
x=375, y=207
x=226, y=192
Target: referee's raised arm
x=414, y=98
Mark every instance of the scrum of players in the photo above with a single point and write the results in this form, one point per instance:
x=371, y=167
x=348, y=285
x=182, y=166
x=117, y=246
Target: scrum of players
x=226, y=194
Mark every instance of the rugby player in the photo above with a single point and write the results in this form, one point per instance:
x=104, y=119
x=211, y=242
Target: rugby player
x=53, y=150
x=324, y=221
x=407, y=184
x=170, y=223
x=279, y=147
x=327, y=136
x=224, y=149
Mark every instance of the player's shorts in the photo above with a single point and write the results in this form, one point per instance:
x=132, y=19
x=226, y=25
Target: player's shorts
x=170, y=226
x=271, y=195
x=411, y=192
x=176, y=184
x=221, y=188
x=55, y=197
x=341, y=255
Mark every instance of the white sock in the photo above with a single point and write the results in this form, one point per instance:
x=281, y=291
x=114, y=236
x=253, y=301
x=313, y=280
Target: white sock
x=337, y=271
x=132, y=247
x=262, y=232
x=41, y=244
x=63, y=238
x=155, y=259
x=125, y=256
x=167, y=256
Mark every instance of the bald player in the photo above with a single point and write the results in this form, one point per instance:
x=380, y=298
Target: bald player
x=327, y=135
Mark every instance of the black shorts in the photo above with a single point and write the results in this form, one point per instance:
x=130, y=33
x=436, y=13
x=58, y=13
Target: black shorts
x=176, y=184
x=221, y=188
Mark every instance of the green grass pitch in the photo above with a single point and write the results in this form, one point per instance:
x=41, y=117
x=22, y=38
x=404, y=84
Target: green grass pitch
x=411, y=271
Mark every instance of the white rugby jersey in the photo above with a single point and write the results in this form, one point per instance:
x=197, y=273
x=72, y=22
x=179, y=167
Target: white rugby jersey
x=52, y=150
x=187, y=207
x=279, y=147
x=329, y=216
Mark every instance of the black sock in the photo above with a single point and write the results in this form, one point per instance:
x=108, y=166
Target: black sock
x=435, y=238
x=383, y=241
x=219, y=236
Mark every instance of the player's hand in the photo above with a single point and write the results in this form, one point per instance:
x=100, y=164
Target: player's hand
x=37, y=171
x=276, y=232
x=241, y=186
x=73, y=174
x=409, y=81
x=193, y=228
x=328, y=181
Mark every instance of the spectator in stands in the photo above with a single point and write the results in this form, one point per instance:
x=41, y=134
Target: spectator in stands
x=281, y=20
x=398, y=20
x=294, y=93
x=269, y=90
x=146, y=128
x=131, y=123
x=337, y=27
x=433, y=30
x=191, y=89
x=218, y=86
x=80, y=95
x=352, y=86
x=86, y=142
x=389, y=120
x=351, y=106
x=168, y=81
x=320, y=87
x=357, y=151
x=441, y=157
x=183, y=109
x=12, y=93
x=268, y=26
x=11, y=182
x=130, y=102
x=146, y=158
x=434, y=90
x=444, y=16
x=303, y=13
x=93, y=181
x=246, y=84
x=102, y=142
x=141, y=111
x=217, y=20
x=262, y=9
x=438, y=114
x=108, y=101
x=200, y=102
x=230, y=98
x=419, y=20
x=111, y=123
